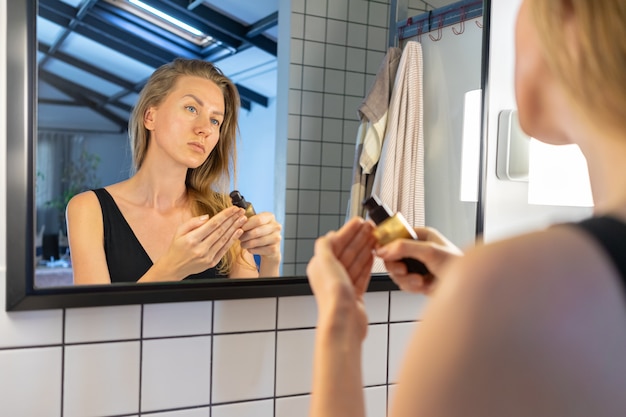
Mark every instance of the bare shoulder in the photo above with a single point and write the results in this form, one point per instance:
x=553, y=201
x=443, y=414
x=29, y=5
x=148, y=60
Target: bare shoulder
x=84, y=202
x=537, y=321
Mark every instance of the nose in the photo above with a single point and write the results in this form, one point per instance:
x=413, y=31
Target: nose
x=204, y=126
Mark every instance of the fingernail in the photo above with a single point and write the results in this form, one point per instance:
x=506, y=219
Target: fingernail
x=204, y=217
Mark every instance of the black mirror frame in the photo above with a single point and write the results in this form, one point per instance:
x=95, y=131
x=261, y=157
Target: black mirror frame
x=20, y=268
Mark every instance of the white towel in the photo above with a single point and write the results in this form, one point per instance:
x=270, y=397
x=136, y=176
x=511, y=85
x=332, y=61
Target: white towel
x=399, y=180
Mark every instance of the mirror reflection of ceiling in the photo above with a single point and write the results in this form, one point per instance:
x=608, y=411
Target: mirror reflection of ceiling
x=94, y=56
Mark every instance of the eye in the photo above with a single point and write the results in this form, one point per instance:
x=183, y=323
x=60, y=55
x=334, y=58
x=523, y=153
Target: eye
x=192, y=109
x=215, y=122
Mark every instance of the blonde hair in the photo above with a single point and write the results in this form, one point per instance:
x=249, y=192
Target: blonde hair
x=594, y=72
x=207, y=185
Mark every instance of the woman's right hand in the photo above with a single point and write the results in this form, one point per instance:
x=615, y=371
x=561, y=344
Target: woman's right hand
x=200, y=243
x=431, y=248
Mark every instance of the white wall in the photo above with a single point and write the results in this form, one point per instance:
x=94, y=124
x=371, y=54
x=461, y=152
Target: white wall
x=243, y=358
x=507, y=211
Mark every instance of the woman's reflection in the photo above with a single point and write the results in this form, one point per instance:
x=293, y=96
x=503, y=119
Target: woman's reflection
x=173, y=219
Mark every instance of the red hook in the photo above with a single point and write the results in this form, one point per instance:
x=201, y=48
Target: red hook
x=439, y=30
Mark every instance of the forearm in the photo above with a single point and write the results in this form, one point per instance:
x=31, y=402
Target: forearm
x=270, y=266
x=337, y=378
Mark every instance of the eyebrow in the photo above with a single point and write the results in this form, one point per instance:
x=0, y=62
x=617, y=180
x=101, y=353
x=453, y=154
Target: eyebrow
x=201, y=103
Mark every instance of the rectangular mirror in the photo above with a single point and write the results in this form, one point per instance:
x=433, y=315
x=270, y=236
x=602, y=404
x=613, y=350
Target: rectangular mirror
x=59, y=95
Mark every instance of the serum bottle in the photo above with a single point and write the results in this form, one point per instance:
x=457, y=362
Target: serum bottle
x=238, y=200
x=390, y=227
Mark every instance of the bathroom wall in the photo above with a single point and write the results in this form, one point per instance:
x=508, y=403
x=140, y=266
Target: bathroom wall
x=506, y=207
x=243, y=358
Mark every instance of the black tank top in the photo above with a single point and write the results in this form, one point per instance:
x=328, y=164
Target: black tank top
x=126, y=258
x=610, y=233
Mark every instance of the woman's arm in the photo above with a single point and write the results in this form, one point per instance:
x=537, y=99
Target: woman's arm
x=339, y=274
x=85, y=234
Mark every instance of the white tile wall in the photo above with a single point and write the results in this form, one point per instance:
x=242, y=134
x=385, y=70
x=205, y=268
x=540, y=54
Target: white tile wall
x=101, y=379
x=243, y=366
x=30, y=382
x=234, y=315
x=97, y=324
x=203, y=359
x=176, y=372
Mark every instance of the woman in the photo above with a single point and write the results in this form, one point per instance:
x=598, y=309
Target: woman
x=172, y=219
x=529, y=326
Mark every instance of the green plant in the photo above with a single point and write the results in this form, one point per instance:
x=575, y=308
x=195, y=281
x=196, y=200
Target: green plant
x=79, y=175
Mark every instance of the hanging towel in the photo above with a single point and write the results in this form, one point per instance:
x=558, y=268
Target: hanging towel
x=373, y=116
x=399, y=180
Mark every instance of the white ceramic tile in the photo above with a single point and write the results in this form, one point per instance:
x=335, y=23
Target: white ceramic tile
x=30, y=382
x=297, y=25
x=376, y=401
x=350, y=127
x=294, y=362
x=289, y=249
x=346, y=178
x=28, y=328
x=291, y=196
x=297, y=312
x=333, y=107
x=316, y=8
x=336, y=31
x=113, y=367
x=175, y=373
x=294, y=127
x=332, y=130
x=315, y=28
x=309, y=177
x=308, y=203
x=289, y=228
x=243, y=366
x=192, y=412
x=390, y=394
x=298, y=5
x=95, y=324
x=310, y=153
x=177, y=319
x=373, y=60
x=357, y=35
x=245, y=315
x=377, y=38
x=312, y=104
x=301, y=268
x=377, y=306
x=331, y=222
x=338, y=9
x=355, y=61
x=357, y=11
x=331, y=154
x=378, y=14
x=307, y=224
x=329, y=203
x=263, y=408
x=351, y=106
x=399, y=337
x=355, y=83
x=374, y=355
x=296, y=53
x=313, y=78
x=289, y=269
x=293, y=406
x=311, y=126
x=304, y=251
x=293, y=151
x=313, y=53
x=335, y=57
x=295, y=80
x=348, y=154
x=406, y=306
x=329, y=178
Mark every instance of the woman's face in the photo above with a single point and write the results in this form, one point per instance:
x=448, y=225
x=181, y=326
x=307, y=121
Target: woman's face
x=535, y=87
x=186, y=125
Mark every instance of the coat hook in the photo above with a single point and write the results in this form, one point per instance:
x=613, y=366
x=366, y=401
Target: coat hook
x=439, y=30
x=462, y=24
x=480, y=25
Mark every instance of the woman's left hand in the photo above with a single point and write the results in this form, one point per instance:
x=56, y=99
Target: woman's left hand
x=262, y=236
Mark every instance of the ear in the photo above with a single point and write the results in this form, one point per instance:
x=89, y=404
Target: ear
x=149, y=118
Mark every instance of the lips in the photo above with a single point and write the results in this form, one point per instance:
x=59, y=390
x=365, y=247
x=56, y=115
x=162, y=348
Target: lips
x=197, y=146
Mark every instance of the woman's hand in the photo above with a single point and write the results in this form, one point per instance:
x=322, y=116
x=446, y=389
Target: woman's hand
x=261, y=236
x=339, y=274
x=200, y=243
x=432, y=248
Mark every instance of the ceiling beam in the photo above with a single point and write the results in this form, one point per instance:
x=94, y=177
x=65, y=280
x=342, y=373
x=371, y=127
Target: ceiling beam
x=262, y=25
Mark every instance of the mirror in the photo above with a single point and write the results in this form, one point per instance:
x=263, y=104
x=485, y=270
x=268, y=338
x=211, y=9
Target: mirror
x=292, y=200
